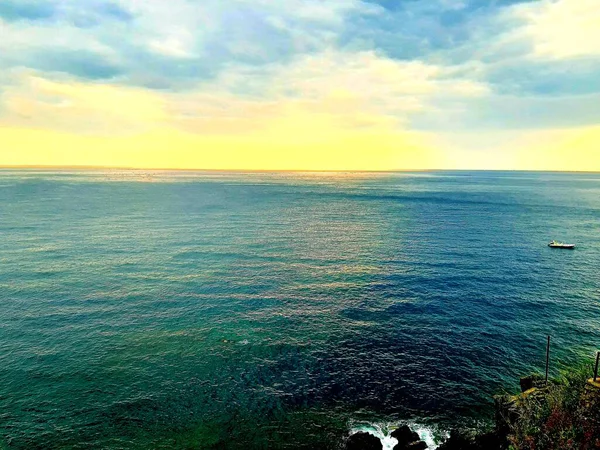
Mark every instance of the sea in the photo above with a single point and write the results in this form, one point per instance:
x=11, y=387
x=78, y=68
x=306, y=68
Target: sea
x=213, y=310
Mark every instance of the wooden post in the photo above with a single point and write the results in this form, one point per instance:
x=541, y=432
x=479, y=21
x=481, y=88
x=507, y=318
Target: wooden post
x=547, y=358
x=596, y=368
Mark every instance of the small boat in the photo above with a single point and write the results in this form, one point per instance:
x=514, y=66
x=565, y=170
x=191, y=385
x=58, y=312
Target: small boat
x=555, y=244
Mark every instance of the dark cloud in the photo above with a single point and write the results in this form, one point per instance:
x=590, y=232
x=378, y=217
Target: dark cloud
x=96, y=13
x=15, y=10
x=112, y=10
x=85, y=14
x=79, y=63
x=409, y=29
x=416, y=29
x=440, y=5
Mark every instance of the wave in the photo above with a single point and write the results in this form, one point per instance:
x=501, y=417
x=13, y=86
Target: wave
x=383, y=431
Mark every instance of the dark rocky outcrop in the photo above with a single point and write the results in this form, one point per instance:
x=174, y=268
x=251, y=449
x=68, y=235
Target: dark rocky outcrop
x=404, y=435
x=532, y=381
x=407, y=439
x=511, y=409
x=363, y=441
x=460, y=440
x=553, y=414
x=418, y=445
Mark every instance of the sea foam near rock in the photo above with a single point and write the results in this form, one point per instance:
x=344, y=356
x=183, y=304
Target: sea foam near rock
x=383, y=432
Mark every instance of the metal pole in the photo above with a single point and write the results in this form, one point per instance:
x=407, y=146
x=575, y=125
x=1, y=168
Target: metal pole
x=547, y=358
x=596, y=368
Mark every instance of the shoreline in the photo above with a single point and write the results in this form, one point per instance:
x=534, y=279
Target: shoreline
x=553, y=414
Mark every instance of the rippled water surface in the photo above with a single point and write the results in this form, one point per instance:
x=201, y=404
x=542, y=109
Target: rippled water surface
x=189, y=310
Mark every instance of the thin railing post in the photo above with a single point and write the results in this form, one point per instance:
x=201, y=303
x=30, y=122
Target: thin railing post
x=547, y=358
x=596, y=367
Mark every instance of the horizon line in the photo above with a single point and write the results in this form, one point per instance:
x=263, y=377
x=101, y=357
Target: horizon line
x=92, y=168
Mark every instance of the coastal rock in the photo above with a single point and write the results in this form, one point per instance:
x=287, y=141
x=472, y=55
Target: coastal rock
x=467, y=441
x=491, y=441
x=506, y=412
x=418, y=445
x=407, y=439
x=510, y=409
x=531, y=381
x=404, y=435
x=363, y=441
x=458, y=441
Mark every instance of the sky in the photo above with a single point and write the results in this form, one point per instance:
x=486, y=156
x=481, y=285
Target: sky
x=301, y=84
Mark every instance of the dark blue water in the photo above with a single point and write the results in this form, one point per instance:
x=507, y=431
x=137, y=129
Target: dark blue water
x=199, y=310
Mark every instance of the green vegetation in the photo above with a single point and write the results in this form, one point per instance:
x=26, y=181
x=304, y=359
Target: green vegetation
x=562, y=415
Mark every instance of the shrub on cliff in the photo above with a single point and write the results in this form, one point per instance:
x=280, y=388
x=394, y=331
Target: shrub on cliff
x=561, y=416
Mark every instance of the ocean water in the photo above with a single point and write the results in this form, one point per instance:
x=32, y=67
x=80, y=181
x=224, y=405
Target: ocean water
x=210, y=310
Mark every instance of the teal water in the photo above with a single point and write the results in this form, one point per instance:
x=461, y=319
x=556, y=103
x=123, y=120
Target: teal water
x=195, y=310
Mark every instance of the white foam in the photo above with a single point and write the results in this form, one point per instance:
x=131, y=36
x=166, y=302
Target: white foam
x=382, y=431
x=426, y=435
x=379, y=431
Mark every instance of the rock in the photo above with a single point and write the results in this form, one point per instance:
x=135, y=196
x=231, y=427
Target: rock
x=363, y=441
x=506, y=412
x=491, y=441
x=531, y=381
x=404, y=435
x=418, y=445
x=526, y=383
x=510, y=409
x=407, y=439
x=468, y=441
x=457, y=441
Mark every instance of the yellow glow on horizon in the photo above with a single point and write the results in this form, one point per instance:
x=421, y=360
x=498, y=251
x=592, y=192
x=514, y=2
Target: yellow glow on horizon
x=569, y=150
x=60, y=124
x=172, y=149
x=97, y=125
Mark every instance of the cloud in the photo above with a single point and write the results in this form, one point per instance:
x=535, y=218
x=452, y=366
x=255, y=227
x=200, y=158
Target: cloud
x=78, y=123
x=345, y=90
x=11, y=10
x=570, y=149
x=528, y=85
x=81, y=63
x=544, y=47
x=561, y=29
x=65, y=12
x=409, y=29
x=374, y=82
x=178, y=42
x=78, y=108
x=306, y=69
x=510, y=112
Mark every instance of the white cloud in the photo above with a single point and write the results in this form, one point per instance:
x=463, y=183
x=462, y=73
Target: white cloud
x=561, y=28
x=171, y=44
x=250, y=56
x=356, y=90
x=81, y=108
x=383, y=84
